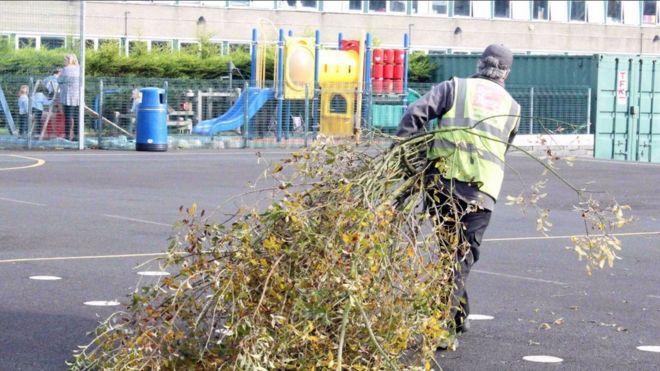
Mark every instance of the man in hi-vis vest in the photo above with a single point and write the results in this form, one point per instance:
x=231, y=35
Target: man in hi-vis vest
x=478, y=120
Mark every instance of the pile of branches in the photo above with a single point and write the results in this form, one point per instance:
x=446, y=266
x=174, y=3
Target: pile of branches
x=344, y=269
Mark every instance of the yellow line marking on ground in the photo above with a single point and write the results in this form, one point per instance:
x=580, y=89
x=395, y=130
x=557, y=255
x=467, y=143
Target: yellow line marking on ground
x=21, y=202
x=135, y=220
x=628, y=234
x=24, y=260
x=38, y=162
x=521, y=277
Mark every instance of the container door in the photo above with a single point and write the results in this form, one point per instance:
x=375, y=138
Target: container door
x=614, y=128
x=647, y=112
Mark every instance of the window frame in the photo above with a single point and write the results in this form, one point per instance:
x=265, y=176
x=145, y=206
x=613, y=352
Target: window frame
x=19, y=37
x=570, y=12
x=432, y=13
x=470, y=10
x=608, y=19
x=547, y=9
x=495, y=16
x=53, y=37
x=656, y=15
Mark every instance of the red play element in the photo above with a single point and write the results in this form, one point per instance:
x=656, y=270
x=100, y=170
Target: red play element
x=397, y=86
x=351, y=45
x=55, y=126
x=377, y=85
x=388, y=86
x=388, y=71
x=378, y=56
x=388, y=56
x=398, y=72
x=398, y=56
x=377, y=71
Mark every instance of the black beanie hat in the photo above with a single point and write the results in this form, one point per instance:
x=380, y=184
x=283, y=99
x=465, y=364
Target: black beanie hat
x=501, y=52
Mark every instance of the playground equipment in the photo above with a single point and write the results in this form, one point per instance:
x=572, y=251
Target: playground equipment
x=336, y=81
x=7, y=113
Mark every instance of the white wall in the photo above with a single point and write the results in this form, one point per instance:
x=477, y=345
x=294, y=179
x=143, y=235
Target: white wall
x=558, y=10
x=596, y=11
x=631, y=12
x=520, y=10
x=481, y=9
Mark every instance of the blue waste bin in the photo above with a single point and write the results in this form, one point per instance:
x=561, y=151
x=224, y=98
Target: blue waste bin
x=151, y=129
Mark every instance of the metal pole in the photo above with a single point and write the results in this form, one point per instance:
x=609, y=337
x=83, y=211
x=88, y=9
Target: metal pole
x=306, y=123
x=317, y=91
x=99, y=122
x=589, y=111
x=280, y=83
x=81, y=103
x=28, y=129
x=246, y=114
x=253, y=66
x=531, y=110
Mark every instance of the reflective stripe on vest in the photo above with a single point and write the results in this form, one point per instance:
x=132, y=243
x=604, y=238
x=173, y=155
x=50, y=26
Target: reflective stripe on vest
x=473, y=135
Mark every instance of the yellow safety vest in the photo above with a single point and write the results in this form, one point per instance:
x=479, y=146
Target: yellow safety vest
x=473, y=135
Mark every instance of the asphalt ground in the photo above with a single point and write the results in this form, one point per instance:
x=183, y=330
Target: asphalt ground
x=92, y=217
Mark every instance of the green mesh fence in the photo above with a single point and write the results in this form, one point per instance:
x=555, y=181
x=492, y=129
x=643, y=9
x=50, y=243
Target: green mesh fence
x=217, y=114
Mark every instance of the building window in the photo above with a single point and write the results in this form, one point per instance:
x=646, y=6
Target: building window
x=239, y=2
x=614, y=14
x=414, y=7
x=137, y=46
x=397, y=6
x=90, y=44
x=161, y=46
x=578, y=11
x=462, y=8
x=439, y=7
x=650, y=12
x=355, y=5
x=377, y=6
x=52, y=42
x=502, y=9
x=298, y=4
x=239, y=47
x=27, y=42
x=540, y=10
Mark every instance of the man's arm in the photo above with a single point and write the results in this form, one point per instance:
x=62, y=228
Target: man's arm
x=432, y=105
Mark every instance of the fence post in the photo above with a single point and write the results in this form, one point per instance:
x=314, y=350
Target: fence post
x=246, y=115
x=589, y=111
x=28, y=128
x=531, y=110
x=81, y=102
x=99, y=121
x=306, y=112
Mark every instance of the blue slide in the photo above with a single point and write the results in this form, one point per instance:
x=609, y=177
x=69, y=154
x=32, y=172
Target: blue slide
x=233, y=118
x=4, y=107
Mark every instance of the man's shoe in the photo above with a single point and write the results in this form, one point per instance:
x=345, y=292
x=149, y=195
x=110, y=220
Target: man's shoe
x=463, y=327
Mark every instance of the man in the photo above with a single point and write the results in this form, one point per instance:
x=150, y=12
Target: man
x=478, y=121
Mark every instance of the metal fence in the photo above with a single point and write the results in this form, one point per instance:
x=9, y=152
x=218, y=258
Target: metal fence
x=262, y=118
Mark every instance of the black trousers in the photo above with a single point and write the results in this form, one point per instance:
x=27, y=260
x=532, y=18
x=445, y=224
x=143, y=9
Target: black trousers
x=473, y=224
x=70, y=121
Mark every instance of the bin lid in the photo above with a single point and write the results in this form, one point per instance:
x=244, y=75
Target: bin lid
x=152, y=97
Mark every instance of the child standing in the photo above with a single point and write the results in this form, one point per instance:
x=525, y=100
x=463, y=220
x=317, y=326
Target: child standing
x=39, y=100
x=23, y=103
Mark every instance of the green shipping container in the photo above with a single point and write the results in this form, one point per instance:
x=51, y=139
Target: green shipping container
x=627, y=109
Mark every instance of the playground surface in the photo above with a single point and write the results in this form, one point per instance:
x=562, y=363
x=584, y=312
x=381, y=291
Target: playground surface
x=91, y=217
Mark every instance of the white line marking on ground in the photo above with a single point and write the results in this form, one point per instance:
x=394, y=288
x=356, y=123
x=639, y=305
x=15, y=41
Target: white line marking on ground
x=102, y=303
x=38, y=162
x=153, y=273
x=25, y=260
x=480, y=317
x=628, y=234
x=649, y=348
x=21, y=201
x=520, y=277
x=654, y=296
x=543, y=359
x=135, y=220
x=45, y=278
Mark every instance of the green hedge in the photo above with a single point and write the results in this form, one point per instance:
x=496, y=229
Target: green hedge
x=186, y=64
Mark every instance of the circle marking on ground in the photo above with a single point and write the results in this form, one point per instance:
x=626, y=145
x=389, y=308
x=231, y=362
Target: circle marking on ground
x=38, y=162
x=649, y=348
x=543, y=359
x=45, y=278
x=480, y=317
x=101, y=303
x=153, y=273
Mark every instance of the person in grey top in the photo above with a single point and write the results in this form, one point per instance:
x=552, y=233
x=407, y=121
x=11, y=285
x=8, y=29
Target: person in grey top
x=69, y=98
